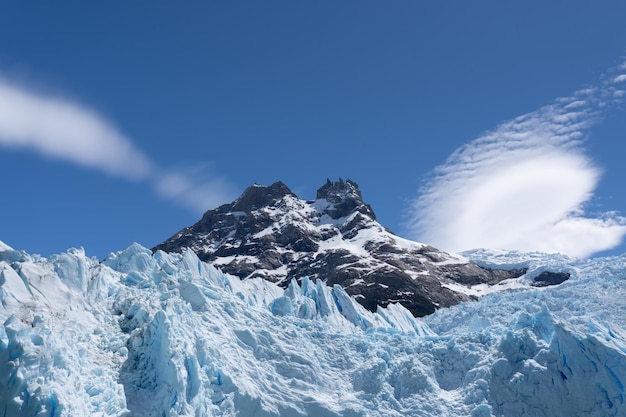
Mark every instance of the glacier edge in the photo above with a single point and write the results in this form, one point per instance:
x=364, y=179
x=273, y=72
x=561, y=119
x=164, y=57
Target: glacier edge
x=168, y=335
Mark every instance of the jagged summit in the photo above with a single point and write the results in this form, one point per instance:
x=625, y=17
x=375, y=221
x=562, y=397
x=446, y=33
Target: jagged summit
x=268, y=232
x=257, y=196
x=344, y=198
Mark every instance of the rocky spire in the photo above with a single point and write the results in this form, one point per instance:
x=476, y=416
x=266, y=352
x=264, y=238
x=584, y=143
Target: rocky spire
x=344, y=198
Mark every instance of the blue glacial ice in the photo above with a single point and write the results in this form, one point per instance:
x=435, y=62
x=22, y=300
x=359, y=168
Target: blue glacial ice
x=144, y=334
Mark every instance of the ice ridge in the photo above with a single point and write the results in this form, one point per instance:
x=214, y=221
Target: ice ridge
x=144, y=334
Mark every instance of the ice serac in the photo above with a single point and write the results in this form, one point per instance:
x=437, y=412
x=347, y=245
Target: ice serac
x=146, y=335
x=269, y=233
x=142, y=335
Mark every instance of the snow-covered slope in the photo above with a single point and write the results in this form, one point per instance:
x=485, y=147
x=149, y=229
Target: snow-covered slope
x=168, y=335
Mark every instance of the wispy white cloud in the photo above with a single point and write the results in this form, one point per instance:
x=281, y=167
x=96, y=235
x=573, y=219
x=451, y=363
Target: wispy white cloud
x=523, y=185
x=61, y=129
x=190, y=190
x=67, y=130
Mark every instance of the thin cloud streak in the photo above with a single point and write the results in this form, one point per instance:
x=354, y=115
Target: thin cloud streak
x=66, y=130
x=524, y=185
x=192, y=192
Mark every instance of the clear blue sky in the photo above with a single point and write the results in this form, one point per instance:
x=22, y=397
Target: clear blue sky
x=232, y=93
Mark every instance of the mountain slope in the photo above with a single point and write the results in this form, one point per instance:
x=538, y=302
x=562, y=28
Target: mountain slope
x=268, y=232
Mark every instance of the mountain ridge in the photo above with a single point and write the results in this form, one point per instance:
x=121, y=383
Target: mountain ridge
x=268, y=232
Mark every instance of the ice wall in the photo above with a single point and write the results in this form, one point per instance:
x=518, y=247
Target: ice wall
x=167, y=335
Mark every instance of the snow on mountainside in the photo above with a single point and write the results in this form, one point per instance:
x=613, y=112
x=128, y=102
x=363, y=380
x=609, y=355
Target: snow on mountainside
x=144, y=334
x=270, y=233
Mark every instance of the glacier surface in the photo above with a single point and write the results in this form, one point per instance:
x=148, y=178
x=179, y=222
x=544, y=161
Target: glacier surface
x=168, y=335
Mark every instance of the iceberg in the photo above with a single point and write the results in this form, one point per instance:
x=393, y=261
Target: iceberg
x=142, y=334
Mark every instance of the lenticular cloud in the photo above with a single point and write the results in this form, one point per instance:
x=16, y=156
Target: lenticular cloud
x=523, y=185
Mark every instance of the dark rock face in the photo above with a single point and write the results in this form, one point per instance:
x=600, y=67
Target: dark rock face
x=270, y=233
x=256, y=197
x=547, y=278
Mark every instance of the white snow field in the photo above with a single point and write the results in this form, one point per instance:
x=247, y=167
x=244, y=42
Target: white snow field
x=167, y=335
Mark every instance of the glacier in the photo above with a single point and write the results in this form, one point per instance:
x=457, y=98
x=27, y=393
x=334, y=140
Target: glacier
x=142, y=334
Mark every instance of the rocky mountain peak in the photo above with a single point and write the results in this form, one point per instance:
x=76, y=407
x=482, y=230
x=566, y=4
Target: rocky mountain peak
x=257, y=196
x=343, y=198
x=269, y=233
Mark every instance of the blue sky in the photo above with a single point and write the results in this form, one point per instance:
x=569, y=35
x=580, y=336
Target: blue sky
x=123, y=122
